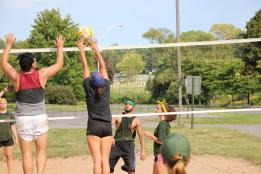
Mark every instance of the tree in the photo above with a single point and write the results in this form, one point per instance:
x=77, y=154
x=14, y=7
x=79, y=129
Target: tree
x=225, y=31
x=160, y=85
x=131, y=65
x=193, y=36
x=112, y=57
x=218, y=66
x=153, y=56
x=164, y=83
x=160, y=35
x=252, y=52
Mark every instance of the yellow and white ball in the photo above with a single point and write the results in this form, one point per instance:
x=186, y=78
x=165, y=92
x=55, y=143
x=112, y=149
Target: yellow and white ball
x=86, y=32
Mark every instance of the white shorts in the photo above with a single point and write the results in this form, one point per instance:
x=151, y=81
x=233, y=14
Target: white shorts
x=31, y=127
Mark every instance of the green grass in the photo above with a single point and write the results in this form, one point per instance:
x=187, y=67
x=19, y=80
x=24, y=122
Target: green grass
x=67, y=142
x=204, y=140
x=62, y=143
x=232, y=118
x=227, y=118
x=224, y=142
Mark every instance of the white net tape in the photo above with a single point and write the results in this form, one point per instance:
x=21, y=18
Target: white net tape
x=165, y=45
x=157, y=114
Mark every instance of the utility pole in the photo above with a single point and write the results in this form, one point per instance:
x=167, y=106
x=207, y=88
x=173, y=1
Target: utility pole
x=179, y=74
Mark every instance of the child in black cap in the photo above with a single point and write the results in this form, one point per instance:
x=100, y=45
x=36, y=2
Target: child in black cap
x=124, y=146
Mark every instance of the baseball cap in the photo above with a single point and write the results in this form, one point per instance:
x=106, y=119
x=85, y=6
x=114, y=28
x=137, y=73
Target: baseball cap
x=97, y=79
x=175, y=144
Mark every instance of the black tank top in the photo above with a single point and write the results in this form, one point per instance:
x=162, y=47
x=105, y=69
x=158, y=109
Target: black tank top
x=123, y=133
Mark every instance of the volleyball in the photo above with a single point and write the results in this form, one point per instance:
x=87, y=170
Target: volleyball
x=86, y=32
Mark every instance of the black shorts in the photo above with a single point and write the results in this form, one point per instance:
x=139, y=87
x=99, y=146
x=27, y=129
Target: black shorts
x=5, y=143
x=126, y=151
x=99, y=128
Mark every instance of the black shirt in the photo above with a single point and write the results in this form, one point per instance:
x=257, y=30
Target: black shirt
x=98, y=107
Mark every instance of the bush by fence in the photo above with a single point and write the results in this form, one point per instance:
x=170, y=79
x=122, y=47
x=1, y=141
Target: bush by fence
x=60, y=95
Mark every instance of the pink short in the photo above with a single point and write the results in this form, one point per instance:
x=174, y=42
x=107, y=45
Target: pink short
x=159, y=158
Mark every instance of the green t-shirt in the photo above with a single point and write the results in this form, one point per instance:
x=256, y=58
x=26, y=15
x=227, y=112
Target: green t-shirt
x=161, y=132
x=5, y=128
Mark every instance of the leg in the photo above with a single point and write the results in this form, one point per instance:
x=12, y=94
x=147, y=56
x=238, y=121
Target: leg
x=9, y=159
x=133, y=159
x=125, y=168
x=161, y=168
x=41, y=144
x=128, y=166
x=129, y=157
x=114, y=157
x=27, y=159
x=94, y=143
x=155, y=171
x=106, y=143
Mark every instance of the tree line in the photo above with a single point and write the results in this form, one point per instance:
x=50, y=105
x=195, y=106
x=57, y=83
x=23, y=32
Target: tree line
x=225, y=70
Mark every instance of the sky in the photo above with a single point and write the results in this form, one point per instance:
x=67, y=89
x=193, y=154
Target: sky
x=136, y=16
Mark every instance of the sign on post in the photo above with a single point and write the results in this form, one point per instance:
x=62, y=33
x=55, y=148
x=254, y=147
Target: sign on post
x=189, y=84
x=193, y=86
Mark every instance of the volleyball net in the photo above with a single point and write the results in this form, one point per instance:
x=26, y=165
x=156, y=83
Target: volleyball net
x=225, y=79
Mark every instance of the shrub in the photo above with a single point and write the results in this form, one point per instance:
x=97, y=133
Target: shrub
x=60, y=95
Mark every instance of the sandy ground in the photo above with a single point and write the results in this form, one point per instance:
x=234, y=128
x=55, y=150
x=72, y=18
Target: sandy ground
x=204, y=164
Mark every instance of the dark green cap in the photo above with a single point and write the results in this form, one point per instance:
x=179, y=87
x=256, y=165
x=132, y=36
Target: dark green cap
x=175, y=144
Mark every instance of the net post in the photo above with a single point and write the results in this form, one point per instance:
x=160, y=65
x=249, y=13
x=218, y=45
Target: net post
x=193, y=99
x=179, y=62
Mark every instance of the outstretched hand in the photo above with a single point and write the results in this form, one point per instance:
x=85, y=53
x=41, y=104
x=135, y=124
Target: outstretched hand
x=142, y=155
x=9, y=40
x=80, y=44
x=59, y=41
x=93, y=44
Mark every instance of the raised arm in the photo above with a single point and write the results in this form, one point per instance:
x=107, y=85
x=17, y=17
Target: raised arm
x=6, y=67
x=53, y=69
x=141, y=139
x=93, y=45
x=86, y=71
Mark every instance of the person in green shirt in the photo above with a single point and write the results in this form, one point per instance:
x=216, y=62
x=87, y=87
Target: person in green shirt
x=7, y=131
x=161, y=132
x=176, y=153
x=125, y=134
